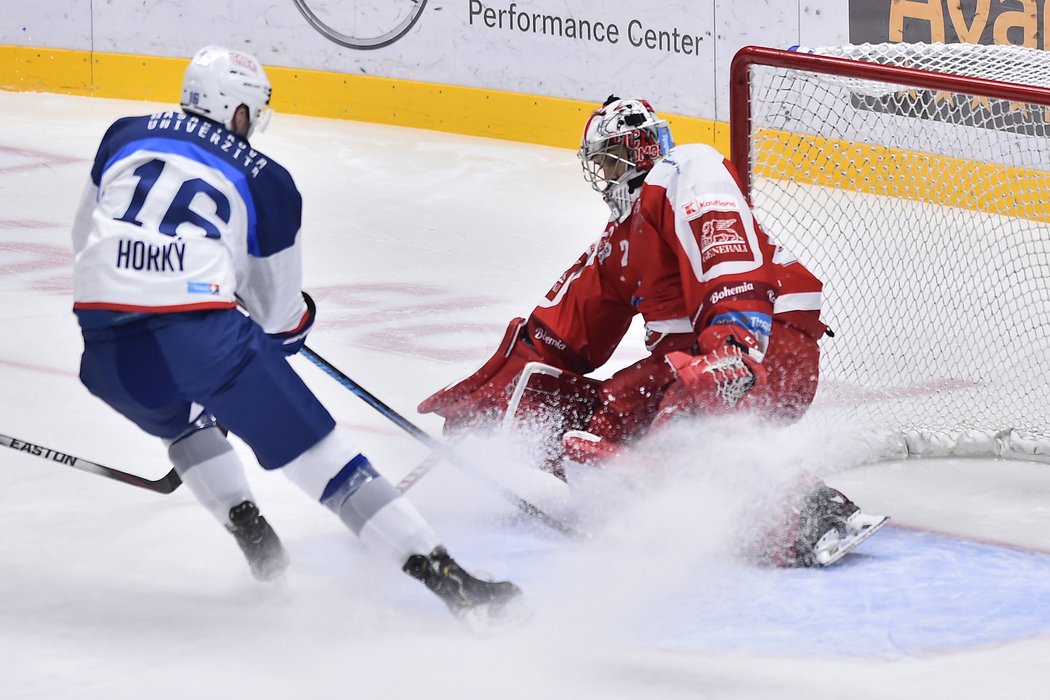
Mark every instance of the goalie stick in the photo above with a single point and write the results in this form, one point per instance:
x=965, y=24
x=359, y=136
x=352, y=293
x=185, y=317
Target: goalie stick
x=441, y=450
x=166, y=484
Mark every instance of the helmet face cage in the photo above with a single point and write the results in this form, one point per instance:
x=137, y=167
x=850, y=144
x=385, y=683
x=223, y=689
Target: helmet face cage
x=621, y=141
x=219, y=80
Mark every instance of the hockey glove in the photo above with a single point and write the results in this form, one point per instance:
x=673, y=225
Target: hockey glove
x=290, y=342
x=710, y=384
x=720, y=336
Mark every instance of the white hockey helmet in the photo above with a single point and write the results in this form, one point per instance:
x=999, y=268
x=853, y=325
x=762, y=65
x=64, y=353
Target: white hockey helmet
x=219, y=80
x=621, y=141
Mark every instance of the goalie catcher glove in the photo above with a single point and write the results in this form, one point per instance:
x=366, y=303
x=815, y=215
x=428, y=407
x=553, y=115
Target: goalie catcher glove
x=723, y=335
x=711, y=384
x=290, y=342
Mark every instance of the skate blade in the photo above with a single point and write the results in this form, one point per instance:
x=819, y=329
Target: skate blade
x=496, y=618
x=271, y=568
x=864, y=527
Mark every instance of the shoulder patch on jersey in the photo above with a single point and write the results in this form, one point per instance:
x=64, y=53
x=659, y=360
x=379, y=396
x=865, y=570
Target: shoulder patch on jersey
x=721, y=237
x=697, y=207
x=604, y=250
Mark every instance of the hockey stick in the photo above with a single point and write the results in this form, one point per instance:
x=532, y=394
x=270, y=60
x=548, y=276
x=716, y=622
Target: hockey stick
x=413, y=477
x=166, y=484
x=440, y=449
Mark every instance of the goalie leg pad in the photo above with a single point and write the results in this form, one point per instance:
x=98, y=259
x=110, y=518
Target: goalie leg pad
x=482, y=398
x=547, y=402
x=792, y=367
x=547, y=395
x=630, y=399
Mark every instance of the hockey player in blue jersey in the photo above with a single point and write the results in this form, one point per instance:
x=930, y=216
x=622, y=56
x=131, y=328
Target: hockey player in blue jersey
x=180, y=220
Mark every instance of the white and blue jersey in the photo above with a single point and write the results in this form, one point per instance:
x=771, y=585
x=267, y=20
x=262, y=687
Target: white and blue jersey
x=183, y=215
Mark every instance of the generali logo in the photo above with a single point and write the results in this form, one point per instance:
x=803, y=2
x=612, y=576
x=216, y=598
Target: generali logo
x=721, y=237
x=720, y=232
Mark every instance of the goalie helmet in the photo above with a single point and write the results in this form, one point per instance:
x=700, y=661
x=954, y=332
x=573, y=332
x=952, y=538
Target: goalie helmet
x=621, y=142
x=219, y=80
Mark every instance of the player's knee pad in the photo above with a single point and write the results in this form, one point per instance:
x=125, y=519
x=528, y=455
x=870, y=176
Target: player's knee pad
x=336, y=473
x=375, y=511
x=207, y=464
x=357, y=492
x=203, y=421
x=328, y=461
x=200, y=442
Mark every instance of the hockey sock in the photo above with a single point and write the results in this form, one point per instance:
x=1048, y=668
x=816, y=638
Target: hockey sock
x=367, y=503
x=207, y=464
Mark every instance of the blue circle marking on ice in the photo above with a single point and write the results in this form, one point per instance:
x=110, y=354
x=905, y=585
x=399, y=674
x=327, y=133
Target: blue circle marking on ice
x=903, y=593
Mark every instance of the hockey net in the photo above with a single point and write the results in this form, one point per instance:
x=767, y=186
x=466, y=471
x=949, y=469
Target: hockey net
x=914, y=180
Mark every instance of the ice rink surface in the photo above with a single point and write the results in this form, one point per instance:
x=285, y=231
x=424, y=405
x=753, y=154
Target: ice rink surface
x=420, y=246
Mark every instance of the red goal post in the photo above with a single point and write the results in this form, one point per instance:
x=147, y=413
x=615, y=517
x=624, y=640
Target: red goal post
x=915, y=181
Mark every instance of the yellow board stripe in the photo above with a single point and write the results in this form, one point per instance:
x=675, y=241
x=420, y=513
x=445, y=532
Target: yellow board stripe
x=991, y=188
x=548, y=121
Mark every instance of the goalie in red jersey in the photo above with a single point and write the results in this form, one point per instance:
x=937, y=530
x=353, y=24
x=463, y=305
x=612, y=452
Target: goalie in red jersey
x=732, y=320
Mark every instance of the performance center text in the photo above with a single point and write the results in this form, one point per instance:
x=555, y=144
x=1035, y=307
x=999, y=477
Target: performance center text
x=636, y=34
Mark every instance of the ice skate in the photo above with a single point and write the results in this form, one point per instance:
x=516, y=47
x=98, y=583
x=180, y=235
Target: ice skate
x=260, y=544
x=831, y=526
x=484, y=606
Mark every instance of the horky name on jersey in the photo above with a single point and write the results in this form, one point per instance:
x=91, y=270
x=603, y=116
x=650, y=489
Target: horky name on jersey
x=181, y=214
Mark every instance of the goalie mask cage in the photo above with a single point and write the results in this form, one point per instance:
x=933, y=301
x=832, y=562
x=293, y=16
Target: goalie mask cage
x=914, y=180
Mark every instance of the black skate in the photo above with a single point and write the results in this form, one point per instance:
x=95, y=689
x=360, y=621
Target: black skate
x=260, y=544
x=482, y=605
x=830, y=526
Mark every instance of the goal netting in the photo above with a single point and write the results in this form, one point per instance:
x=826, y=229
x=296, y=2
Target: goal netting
x=914, y=179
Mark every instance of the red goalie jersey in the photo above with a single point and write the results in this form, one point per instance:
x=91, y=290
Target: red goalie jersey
x=687, y=255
